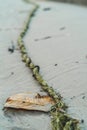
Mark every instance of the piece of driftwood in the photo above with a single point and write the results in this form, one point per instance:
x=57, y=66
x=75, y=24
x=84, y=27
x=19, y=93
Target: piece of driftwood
x=30, y=101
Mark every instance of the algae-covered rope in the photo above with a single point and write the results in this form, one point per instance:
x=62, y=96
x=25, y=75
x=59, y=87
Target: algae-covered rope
x=60, y=119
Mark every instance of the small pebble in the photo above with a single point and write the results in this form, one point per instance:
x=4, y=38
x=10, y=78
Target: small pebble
x=72, y=97
x=11, y=50
x=77, y=62
x=82, y=121
x=83, y=97
x=47, y=9
x=12, y=73
x=55, y=64
x=62, y=28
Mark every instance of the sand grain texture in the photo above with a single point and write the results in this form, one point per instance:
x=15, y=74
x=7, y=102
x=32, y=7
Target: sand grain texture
x=57, y=42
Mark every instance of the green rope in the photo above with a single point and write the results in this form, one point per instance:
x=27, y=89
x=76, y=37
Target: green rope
x=60, y=119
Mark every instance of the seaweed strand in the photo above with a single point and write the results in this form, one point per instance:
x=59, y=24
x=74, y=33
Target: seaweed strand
x=60, y=119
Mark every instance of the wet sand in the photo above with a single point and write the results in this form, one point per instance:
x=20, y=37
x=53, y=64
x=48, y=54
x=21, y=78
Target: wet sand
x=56, y=41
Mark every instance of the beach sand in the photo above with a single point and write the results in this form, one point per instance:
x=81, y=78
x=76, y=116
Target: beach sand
x=56, y=41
